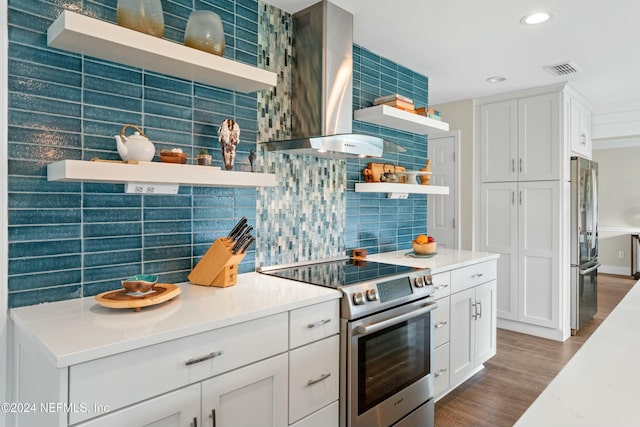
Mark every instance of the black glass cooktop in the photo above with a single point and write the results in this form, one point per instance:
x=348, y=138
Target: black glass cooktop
x=340, y=273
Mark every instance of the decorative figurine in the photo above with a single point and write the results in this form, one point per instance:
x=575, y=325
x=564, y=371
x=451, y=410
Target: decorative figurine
x=252, y=159
x=229, y=137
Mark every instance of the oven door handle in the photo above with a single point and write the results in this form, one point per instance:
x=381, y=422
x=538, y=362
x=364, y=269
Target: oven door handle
x=375, y=327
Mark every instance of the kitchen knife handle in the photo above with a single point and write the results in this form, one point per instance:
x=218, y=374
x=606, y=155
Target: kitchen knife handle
x=236, y=228
x=248, y=244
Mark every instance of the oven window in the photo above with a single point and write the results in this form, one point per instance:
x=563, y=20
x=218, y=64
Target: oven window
x=392, y=359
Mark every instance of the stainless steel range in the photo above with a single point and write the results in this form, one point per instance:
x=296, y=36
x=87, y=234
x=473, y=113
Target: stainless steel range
x=386, y=343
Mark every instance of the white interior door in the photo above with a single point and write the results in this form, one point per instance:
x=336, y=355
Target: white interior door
x=443, y=211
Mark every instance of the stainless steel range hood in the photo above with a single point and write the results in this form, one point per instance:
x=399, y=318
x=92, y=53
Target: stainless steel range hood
x=322, y=87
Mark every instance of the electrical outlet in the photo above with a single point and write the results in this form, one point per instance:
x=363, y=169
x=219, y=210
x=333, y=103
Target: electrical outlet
x=620, y=254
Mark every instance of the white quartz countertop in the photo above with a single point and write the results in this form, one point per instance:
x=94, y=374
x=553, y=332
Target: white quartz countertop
x=444, y=260
x=79, y=330
x=599, y=385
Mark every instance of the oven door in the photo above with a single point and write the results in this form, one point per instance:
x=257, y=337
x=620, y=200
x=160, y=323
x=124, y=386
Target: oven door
x=389, y=364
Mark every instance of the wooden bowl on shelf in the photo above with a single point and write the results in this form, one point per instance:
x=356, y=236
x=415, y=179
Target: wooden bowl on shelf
x=171, y=157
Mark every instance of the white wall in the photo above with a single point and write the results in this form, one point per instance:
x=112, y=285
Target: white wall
x=3, y=205
x=619, y=203
x=460, y=116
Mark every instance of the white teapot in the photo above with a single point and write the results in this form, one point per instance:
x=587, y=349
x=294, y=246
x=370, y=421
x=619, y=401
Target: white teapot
x=135, y=147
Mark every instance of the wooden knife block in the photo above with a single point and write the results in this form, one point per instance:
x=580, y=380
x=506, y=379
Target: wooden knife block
x=218, y=267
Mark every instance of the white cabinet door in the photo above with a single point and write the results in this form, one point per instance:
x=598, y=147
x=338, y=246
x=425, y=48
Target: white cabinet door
x=485, y=322
x=461, y=344
x=540, y=152
x=539, y=222
x=498, y=141
x=179, y=408
x=499, y=234
x=255, y=395
x=579, y=128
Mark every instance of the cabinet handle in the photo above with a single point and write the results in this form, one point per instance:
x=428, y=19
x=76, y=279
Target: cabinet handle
x=195, y=422
x=213, y=418
x=479, y=304
x=437, y=288
x=520, y=164
x=520, y=197
x=513, y=165
x=318, y=323
x=474, y=276
x=322, y=378
x=440, y=372
x=475, y=311
x=583, y=138
x=513, y=198
x=209, y=356
x=439, y=325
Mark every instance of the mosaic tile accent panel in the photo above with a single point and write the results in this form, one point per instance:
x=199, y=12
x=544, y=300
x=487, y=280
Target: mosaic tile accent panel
x=373, y=221
x=303, y=217
x=69, y=240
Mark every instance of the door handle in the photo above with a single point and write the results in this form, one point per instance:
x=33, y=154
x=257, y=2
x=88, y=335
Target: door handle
x=439, y=325
x=479, y=304
x=213, y=418
x=369, y=329
x=475, y=311
x=322, y=378
x=590, y=269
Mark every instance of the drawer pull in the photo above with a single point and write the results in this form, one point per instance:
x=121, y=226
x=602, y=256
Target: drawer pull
x=209, y=356
x=476, y=275
x=437, y=288
x=213, y=418
x=440, y=325
x=440, y=372
x=322, y=378
x=318, y=323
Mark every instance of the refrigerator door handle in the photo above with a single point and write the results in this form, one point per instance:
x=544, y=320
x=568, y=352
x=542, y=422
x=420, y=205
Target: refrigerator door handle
x=589, y=270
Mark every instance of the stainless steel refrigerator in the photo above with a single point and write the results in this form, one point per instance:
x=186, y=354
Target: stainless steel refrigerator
x=584, y=241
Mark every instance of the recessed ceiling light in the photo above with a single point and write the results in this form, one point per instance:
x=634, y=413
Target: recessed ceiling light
x=496, y=79
x=535, y=18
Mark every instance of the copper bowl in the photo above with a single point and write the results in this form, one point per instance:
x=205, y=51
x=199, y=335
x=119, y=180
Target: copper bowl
x=140, y=283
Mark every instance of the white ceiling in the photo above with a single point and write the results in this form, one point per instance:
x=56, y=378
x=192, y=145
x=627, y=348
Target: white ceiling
x=458, y=44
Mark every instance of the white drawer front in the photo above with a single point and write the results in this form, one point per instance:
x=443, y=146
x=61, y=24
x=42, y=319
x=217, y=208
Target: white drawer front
x=473, y=275
x=442, y=284
x=136, y=375
x=441, y=369
x=325, y=417
x=313, y=377
x=441, y=322
x=314, y=322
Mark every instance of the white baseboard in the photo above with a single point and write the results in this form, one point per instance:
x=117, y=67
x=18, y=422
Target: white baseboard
x=538, y=331
x=615, y=269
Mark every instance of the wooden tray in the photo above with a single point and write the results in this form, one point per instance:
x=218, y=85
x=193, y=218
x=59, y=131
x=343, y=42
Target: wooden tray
x=121, y=298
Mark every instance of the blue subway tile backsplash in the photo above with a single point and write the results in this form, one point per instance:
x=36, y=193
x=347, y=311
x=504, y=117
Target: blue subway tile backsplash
x=72, y=239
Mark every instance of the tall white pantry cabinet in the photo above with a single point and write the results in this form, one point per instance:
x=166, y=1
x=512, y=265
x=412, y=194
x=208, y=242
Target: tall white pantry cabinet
x=525, y=142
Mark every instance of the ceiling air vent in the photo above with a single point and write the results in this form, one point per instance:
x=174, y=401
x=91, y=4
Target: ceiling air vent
x=562, y=69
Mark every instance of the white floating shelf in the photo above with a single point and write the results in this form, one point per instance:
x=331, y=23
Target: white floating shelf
x=155, y=172
x=397, y=188
x=93, y=37
x=385, y=115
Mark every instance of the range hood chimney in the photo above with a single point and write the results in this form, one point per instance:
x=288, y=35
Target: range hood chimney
x=322, y=87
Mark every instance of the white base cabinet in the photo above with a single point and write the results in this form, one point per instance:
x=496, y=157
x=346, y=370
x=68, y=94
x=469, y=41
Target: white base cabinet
x=464, y=323
x=273, y=371
x=473, y=336
x=252, y=396
x=180, y=408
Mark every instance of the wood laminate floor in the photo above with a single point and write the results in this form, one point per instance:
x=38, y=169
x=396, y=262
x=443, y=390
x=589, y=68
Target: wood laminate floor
x=523, y=366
